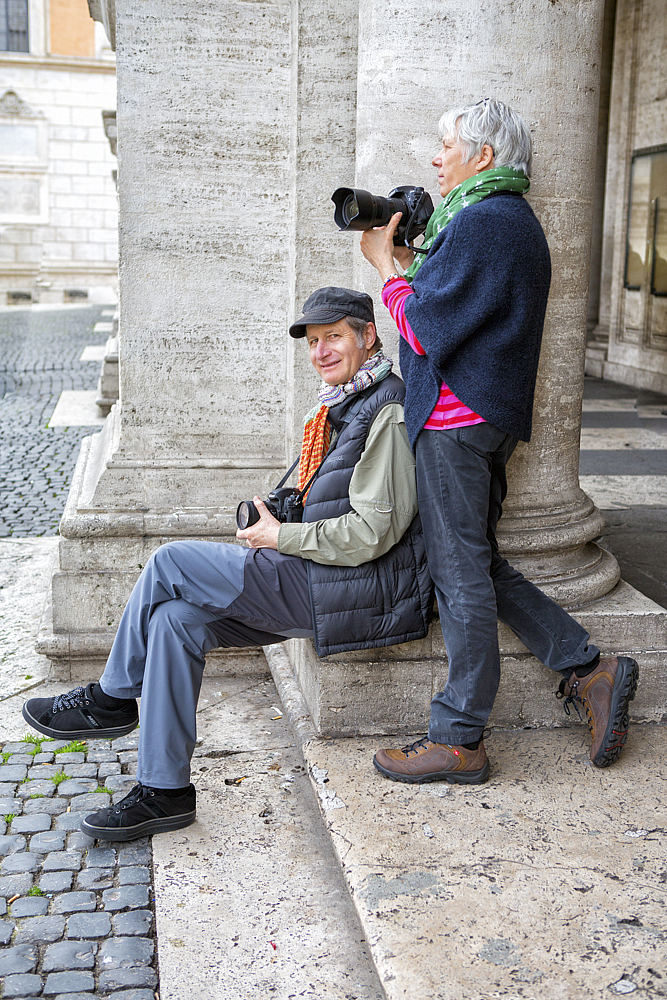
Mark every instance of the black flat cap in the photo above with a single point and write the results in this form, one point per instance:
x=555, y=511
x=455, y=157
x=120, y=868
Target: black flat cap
x=328, y=305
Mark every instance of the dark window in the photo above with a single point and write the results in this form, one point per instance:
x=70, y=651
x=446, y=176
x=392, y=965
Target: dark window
x=13, y=25
x=646, y=247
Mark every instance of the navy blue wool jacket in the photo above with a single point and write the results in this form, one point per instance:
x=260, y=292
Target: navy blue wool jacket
x=478, y=311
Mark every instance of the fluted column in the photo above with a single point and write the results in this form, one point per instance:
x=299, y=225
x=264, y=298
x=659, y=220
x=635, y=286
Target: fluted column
x=545, y=62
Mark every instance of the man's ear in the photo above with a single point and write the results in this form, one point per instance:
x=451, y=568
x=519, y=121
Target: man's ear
x=370, y=335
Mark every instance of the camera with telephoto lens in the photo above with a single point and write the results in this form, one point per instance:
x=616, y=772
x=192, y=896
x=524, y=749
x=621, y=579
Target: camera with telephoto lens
x=286, y=505
x=358, y=209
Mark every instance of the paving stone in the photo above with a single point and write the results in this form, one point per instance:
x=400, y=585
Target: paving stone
x=76, y=996
x=105, y=770
x=20, y=758
x=3, y=907
x=127, y=977
x=30, y=906
x=55, y=744
x=50, y=840
x=56, y=882
x=15, y=885
x=16, y=747
x=45, y=757
x=12, y=772
x=102, y=756
x=40, y=929
x=82, y=770
x=120, y=782
x=133, y=995
x=89, y=925
x=52, y=807
x=6, y=931
x=138, y=852
x=90, y=803
x=95, y=878
x=134, y=923
x=22, y=986
x=35, y=823
x=69, y=821
x=9, y=804
x=14, y=864
x=126, y=897
x=70, y=758
x=79, y=841
x=128, y=757
x=22, y=958
x=43, y=772
x=101, y=857
x=62, y=861
x=8, y=788
x=72, y=902
x=69, y=955
x=31, y=789
x=129, y=742
x=12, y=844
x=133, y=874
x=68, y=982
x=77, y=786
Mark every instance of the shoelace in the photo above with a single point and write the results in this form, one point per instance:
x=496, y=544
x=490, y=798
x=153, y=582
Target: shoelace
x=72, y=699
x=414, y=747
x=137, y=794
x=572, y=699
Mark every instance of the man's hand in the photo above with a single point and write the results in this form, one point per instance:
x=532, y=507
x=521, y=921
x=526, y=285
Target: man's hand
x=263, y=534
x=377, y=246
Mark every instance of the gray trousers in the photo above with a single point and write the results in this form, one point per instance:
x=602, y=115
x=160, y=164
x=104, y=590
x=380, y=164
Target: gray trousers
x=461, y=486
x=192, y=597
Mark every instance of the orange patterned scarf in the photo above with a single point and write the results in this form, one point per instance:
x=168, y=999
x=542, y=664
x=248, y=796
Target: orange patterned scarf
x=316, y=438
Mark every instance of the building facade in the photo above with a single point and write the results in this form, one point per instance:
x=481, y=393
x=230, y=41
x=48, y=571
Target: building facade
x=58, y=205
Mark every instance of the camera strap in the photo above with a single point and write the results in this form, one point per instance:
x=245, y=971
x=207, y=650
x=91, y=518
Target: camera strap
x=347, y=419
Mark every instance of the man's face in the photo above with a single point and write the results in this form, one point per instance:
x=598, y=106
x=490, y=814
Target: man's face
x=451, y=170
x=335, y=352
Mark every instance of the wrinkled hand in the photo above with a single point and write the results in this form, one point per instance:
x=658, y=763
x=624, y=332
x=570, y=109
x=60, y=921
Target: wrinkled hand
x=404, y=256
x=263, y=534
x=377, y=246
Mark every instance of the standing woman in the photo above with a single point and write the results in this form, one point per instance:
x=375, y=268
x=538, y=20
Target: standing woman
x=470, y=313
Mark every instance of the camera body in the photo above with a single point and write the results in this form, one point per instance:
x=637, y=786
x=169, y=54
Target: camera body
x=286, y=505
x=358, y=209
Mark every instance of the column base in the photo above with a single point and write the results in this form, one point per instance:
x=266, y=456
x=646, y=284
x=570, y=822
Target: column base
x=388, y=691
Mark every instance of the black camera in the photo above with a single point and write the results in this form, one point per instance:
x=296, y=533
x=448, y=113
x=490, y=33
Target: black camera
x=286, y=505
x=358, y=209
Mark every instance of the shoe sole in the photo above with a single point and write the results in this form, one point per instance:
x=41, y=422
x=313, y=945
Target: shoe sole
x=451, y=777
x=78, y=734
x=146, y=829
x=616, y=733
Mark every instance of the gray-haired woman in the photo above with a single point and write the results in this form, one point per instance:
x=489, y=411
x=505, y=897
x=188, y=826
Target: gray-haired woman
x=470, y=312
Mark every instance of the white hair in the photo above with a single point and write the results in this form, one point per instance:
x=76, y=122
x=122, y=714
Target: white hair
x=491, y=123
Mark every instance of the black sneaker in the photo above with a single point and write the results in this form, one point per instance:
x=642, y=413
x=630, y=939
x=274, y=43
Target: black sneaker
x=78, y=716
x=143, y=812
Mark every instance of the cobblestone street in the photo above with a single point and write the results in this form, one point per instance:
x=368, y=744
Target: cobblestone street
x=40, y=354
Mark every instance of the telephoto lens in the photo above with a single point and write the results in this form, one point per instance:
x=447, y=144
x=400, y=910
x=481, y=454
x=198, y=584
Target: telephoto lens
x=357, y=209
x=246, y=514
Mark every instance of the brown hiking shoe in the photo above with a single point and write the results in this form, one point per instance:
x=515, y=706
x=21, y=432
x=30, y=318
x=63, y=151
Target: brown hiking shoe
x=605, y=693
x=425, y=761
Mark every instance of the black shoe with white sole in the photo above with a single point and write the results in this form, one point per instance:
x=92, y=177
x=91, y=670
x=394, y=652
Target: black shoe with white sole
x=77, y=716
x=141, y=813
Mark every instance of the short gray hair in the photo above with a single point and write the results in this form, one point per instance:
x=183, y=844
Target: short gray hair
x=359, y=327
x=492, y=123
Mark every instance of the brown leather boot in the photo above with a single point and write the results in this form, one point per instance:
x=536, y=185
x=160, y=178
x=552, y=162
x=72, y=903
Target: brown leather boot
x=605, y=693
x=425, y=761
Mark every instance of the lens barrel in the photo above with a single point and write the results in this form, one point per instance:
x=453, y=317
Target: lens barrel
x=246, y=514
x=359, y=209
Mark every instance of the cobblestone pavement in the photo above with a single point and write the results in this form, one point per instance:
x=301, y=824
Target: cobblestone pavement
x=76, y=921
x=39, y=357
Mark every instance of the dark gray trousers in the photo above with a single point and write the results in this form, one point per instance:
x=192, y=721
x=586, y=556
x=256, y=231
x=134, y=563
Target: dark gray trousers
x=461, y=485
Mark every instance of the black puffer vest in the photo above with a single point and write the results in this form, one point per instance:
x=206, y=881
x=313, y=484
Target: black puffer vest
x=382, y=602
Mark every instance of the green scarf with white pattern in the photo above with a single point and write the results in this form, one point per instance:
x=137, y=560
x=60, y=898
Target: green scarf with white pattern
x=471, y=191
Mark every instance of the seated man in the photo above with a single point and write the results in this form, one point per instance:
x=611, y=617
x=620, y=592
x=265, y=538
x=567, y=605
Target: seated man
x=352, y=575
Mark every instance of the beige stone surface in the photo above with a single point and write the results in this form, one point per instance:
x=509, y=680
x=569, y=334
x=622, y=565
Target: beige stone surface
x=250, y=901
x=546, y=882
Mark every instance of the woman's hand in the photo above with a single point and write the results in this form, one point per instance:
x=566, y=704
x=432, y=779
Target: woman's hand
x=377, y=246
x=264, y=533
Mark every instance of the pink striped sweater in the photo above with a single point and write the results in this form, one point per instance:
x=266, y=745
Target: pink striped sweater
x=449, y=411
